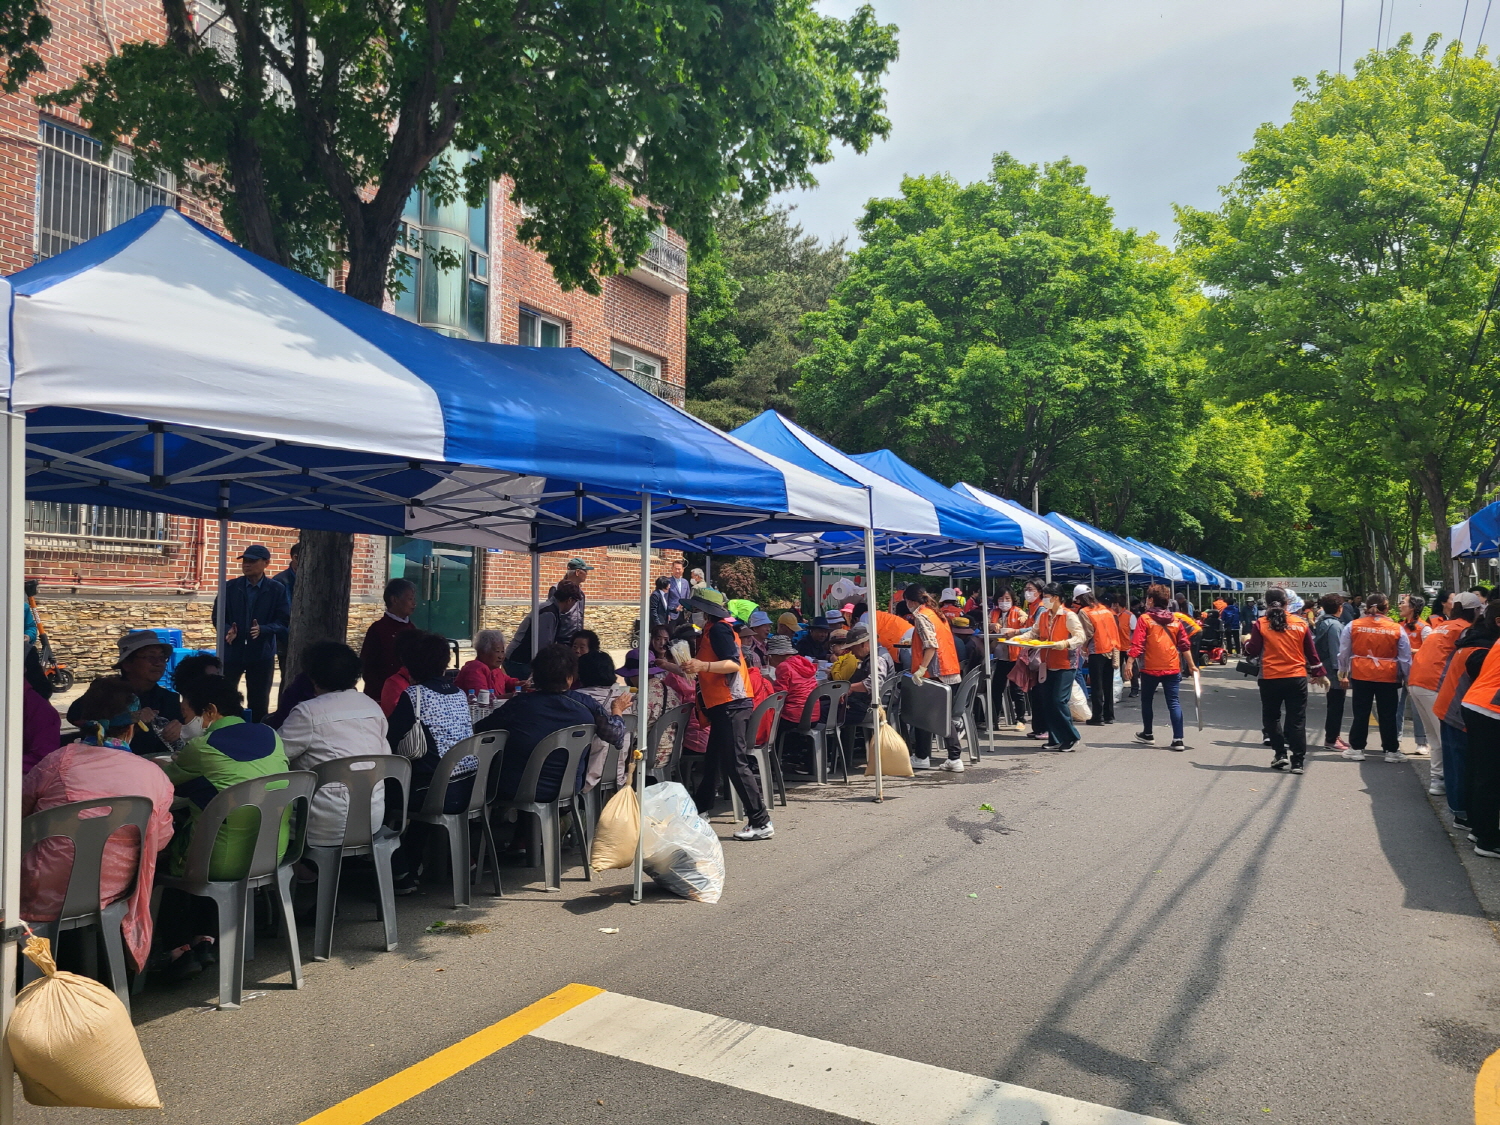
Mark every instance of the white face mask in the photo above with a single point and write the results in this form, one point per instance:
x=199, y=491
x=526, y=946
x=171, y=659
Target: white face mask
x=1030, y=596
x=1004, y=604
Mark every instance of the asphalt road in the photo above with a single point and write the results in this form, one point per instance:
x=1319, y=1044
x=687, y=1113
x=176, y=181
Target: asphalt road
x=1189, y=936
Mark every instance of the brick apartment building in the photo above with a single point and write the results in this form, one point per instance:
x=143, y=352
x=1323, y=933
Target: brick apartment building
x=103, y=570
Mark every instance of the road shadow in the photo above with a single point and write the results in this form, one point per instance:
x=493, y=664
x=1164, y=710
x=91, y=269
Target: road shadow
x=1415, y=842
x=1212, y=767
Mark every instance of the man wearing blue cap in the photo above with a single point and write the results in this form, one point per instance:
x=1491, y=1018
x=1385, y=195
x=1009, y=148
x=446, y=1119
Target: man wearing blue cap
x=257, y=611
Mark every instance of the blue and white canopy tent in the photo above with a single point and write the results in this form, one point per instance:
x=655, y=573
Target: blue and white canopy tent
x=1478, y=537
x=1058, y=549
x=160, y=366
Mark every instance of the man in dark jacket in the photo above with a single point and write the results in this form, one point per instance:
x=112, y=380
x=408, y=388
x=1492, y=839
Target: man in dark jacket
x=257, y=612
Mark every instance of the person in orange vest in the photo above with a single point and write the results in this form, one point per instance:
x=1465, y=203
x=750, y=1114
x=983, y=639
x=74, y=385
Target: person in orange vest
x=1004, y=615
x=724, y=683
x=1481, y=718
x=1288, y=656
x=1374, y=659
x=1159, y=642
x=1036, y=695
x=1417, y=631
x=1059, y=627
x=1449, y=708
x=1102, y=648
x=934, y=655
x=1427, y=669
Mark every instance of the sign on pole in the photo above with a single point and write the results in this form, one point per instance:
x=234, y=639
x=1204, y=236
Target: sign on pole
x=1303, y=586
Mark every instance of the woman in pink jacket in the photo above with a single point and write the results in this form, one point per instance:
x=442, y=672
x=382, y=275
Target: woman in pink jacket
x=99, y=765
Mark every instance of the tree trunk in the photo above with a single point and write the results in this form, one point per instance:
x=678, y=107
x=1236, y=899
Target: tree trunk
x=320, y=606
x=1431, y=484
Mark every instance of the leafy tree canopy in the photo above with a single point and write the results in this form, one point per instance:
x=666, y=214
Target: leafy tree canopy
x=746, y=301
x=319, y=119
x=1352, y=272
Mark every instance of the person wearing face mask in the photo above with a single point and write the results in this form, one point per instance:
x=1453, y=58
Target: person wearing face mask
x=933, y=654
x=1063, y=634
x=1159, y=642
x=1036, y=695
x=1004, y=615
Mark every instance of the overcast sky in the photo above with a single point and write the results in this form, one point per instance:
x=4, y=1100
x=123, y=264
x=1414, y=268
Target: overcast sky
x=1155, y=97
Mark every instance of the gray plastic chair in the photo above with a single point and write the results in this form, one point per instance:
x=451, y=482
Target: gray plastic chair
x=359, y=776
x=81, y=908
x=767, y=761
x=487, y=747
x=549, y=814
x=272, y=795
x=963, y=710
x=671, y=769
x=820, y=732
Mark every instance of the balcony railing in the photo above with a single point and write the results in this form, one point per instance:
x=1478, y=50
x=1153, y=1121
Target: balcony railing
x=663, y=266
x=662, y=389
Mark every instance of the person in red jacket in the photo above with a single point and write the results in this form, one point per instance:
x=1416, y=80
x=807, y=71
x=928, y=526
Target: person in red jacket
x=1159, y=642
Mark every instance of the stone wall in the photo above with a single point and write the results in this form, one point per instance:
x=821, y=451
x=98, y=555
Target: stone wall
x=611, y=620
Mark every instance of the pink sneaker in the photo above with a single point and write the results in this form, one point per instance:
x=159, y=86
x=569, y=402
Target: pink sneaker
x=1336, y=744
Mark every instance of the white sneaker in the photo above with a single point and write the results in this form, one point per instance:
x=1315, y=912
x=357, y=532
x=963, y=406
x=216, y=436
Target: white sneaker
x=1395, y=756
x=952, y=765
x=1021, y=725
x=751, y=833
x=1421, y=750
x=1437, y=788
x=1352, y=754
x=921, y=763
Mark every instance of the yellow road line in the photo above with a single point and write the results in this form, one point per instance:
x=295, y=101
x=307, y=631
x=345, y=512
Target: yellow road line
x=369, y=1104
x=1487, y=1092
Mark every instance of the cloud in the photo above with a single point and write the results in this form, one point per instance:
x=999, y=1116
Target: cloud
x=1155, y=99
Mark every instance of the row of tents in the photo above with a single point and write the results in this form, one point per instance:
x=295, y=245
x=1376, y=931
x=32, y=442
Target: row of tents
x=161, y=367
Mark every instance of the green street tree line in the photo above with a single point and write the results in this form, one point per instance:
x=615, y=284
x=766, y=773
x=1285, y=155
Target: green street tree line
x=1305, y=383
x=1309, y=370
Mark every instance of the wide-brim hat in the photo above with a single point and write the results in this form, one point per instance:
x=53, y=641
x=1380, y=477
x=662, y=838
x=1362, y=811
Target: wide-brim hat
x=780, y=646
x=137, y=639
x=629, y=668
x=709, y=602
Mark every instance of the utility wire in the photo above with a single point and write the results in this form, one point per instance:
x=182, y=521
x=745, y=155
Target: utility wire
x=1462, y=20
x=1390, y=25
x=1482, y=25
x=1379, y=24
x=1473, y=187
x=1341, y=36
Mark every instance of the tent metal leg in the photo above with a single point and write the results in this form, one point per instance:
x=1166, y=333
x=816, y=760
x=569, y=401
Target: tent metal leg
x=223, y=615
x=12, y=588
x=536, y=598
x=984, y=664
x=870, y=618
x=643, y=692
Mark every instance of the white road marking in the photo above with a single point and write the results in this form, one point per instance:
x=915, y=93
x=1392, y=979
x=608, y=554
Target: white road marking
x=848, y=1081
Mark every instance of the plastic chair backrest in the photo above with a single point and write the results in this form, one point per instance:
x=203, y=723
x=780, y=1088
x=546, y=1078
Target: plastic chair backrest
x=89, y=835
x=679, y=716
x=833, y=691
x=359, y=776
x=576, y=741
x=772, y=703
x=486, y=747
x=963, y=696
x=272, y=794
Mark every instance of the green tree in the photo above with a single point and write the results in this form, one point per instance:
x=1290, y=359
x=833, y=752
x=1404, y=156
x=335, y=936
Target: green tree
x=747, y=298
x=1353, y=275
x=994, y=332
x=318, y=121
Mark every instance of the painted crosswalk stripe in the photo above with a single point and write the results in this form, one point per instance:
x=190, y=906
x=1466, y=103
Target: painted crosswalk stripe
x=848, y=1081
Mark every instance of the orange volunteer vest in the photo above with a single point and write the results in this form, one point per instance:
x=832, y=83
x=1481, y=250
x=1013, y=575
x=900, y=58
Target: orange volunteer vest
x=889, y=631
x=947, y=654
x=1374, y=643
x=1282, y=656
x=1427, y=666
x=1485, y=690
x=718, y=688
x=1159, y=654
x=1054, y=627
x=1106, y=633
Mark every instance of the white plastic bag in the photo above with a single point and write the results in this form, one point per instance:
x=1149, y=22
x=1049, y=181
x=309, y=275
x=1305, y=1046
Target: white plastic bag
x=1078, y=703
x=681, y=850
x=1119, y=686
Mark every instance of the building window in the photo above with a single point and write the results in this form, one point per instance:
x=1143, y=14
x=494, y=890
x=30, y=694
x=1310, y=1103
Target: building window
x=93, y=521
x=444, y=253
x=644, y=371
x=538, y=331
x=80, y=194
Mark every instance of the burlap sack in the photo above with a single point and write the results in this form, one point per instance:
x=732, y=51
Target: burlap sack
x=73, y=1043
x=618, y=830
x=895, y=760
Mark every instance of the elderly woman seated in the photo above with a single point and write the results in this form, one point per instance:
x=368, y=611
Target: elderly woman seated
x=339, y=721
x=484, y=672
x=143, y=661
x=101, y=764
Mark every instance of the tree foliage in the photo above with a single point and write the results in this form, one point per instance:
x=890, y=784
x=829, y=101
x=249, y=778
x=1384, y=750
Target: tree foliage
x=983, y=326
x=319, y=119
x=747, y=297
x=1353, y=276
